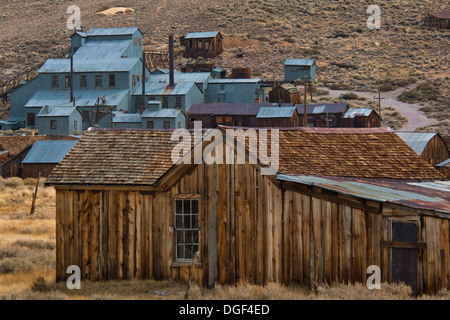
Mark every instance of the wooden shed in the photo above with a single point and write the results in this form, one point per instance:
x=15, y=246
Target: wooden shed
x=361, y=118
x=285, y=93
x=44, y=156
x=429, y=145
x=340, y=201
x=277, y=117
x=444, y=168
x=323, y=114
x=202, y=44
x=16, y=149
x=438, y=20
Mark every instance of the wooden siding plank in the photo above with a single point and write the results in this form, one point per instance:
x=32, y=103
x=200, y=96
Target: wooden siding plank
x=347, y=265
x=94, y=233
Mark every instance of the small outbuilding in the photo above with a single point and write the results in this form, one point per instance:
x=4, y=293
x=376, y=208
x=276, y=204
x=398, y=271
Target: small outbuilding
x=277, y=117
x=60, y=121
x=44, y=156
x=361, y=118
x=429, y=145
x=285, y=93
x=438, y=20
x=202, y=44
x=298, y=69
x=323, y=114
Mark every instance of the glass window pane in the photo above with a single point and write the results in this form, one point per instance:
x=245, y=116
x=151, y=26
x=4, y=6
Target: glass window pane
x=195, y=249
x=178, y=206
x=179, y=221
x=180, y=237
x=187, y=206
x=194, y=206
x=180, y=251
x=187, y=221
x=188, y=237
x=188, y=254
x=194, y=221
x=195, y=237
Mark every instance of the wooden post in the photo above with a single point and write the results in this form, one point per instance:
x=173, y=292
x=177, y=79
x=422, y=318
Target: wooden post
x=212, y=233
x=35, y=195
x=305, y=113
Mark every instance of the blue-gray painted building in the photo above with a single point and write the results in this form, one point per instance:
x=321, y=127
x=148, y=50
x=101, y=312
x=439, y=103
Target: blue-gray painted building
x=235, y=91
x=297, y=69
x=59, y=121
x=107, y=63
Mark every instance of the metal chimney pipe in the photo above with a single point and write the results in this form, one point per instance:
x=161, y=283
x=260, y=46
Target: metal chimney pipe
x=171, y=63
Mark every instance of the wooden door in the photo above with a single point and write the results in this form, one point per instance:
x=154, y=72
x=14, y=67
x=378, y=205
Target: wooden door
x=404, y=260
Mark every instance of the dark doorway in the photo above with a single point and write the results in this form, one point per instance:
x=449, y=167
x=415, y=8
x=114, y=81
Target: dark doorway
x=404, y=260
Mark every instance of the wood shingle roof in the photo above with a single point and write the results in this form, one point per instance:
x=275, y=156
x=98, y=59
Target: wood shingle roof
x=142, y=157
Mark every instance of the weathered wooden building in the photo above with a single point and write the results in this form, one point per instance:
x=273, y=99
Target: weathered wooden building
x=444, y=168
x=438, y=20
x=231, y=114
x=430, y=146
x=277, y=117
x=44, y=156
x=323, y=114
x=340, y=201
x=16, y=149
x=202, y=44
x=285, y=93
x=361, y=118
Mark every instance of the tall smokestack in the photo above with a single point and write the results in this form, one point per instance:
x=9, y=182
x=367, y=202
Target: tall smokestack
x=171, y=63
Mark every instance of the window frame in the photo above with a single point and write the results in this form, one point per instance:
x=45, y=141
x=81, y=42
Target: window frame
x=178, y=102
x=98, y=81
x=166, y=124
x=164, y=102
x=53, y=125
x=31, y=119
x=55, y=82
x=83, y=81
x=150, y=124
x=67, y=82
x=195, y=229
x=112, y=84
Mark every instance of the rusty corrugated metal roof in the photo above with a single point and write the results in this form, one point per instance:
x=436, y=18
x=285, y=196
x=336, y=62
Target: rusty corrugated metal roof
x=433, y=195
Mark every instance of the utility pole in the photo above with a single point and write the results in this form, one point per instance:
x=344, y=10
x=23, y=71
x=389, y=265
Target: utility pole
x=305, y=112
x=136, y=13
x=379, y=101
x=71, y=73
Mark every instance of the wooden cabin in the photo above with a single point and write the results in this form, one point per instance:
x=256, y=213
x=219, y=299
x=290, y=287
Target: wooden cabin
x=444, y=168
x=285, y=93
x=202, y=44
x=231, y=114
x=277, y=117
x=16, y=149
x=361, y=118
x=323, y=114
x=430, y=146
x=437, y=20
x=44, y=156
x=340, y=201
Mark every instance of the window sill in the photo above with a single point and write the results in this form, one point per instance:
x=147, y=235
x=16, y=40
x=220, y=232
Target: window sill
x=181, y=264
